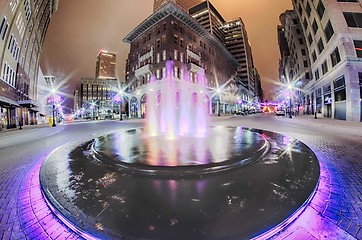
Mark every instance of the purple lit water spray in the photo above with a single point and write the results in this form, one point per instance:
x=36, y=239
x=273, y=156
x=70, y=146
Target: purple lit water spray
x=177, y=107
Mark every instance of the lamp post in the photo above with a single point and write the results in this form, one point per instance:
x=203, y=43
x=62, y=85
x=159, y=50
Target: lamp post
x=290, y=100
x=218, y=102
x=120, y=105
x=53, y=109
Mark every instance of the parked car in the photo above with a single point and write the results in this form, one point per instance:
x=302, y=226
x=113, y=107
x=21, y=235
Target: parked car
x=280, y=112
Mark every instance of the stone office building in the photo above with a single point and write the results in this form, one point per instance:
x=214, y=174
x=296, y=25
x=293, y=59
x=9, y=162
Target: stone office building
x=332, y=32
x=23, y=25
x=172, y=34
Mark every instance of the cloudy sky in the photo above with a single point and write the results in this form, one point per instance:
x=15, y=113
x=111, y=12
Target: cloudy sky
x=81, y=28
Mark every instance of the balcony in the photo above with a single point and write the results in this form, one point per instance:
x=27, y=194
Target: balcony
x=193, y=55
x=192, y=67
x=143, y=70
x=146, y=56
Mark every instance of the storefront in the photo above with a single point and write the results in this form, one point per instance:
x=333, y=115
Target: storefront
x=340, y=99
x=8, y=113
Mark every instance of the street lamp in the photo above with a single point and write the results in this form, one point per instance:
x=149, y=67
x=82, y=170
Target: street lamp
x=120, y=105
x=53, y=92
x=218, y=102
x=290, y=100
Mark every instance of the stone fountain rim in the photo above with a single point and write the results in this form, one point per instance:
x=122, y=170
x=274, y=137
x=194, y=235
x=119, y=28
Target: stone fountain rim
x=184, y=170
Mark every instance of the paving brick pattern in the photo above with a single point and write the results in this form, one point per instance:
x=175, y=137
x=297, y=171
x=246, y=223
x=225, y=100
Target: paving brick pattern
x=337, y=203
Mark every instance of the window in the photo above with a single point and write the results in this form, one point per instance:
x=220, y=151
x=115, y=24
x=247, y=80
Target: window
x=320, y=45
x=335, y=57
x=4, y=28
x=324, y=67
x=320, y=9
x=164, y=72
x=175, y=54
x=310, y=39
x=328, y=31
x=305, y=24
x=164, y=55
x=305, y=63
x=314, y=56
x=175, y=39
x=358, y=47
x=176, y=72
x=339, y=89
x=316, y=74
x=13, y=5
x=353, y=19
x=300, y=41
x=300, y=10
x=158, y=74
x=158, y=57
x=308, y=9
x=163, y=39
x=4, y=71
x=307, y=75
x=182, y=57
x=27, y=9
x=303, y=51
x=164, y=26
x=158, y=43
x=181, y=42
x=315, y=26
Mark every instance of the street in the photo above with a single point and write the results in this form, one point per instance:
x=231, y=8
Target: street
x=337, y=144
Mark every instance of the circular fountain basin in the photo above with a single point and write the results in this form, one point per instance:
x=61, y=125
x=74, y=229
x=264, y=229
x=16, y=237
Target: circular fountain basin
x=221, y=149
x=241, y=184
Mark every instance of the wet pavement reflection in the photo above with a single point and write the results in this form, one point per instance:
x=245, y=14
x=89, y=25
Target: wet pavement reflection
x=238, y=203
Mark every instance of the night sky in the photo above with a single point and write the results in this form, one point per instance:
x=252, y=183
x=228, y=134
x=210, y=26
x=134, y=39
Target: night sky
x=81, y=28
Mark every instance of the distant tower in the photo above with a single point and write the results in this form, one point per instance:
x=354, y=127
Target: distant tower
x=184, y=4
x=106, y=65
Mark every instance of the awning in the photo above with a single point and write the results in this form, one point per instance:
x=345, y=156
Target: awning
x=28, y=103
x=34, y=109
x=4, y=101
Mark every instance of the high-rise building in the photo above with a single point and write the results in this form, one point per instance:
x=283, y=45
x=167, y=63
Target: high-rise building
x=171, y=33
x=207, y=15
x=332, y=35
x=94, y=98
x=295, y=69
x=237, y=42
x=22, y=33
x=234, y=36
x=183, y=4
x=106, y=65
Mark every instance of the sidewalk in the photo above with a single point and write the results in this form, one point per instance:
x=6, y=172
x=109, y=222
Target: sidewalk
x=16, y=131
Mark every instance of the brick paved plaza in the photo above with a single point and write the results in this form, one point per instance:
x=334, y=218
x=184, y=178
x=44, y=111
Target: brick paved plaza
x=334, y=213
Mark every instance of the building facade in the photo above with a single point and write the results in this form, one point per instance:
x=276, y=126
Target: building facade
x=198, y=58
x=233, y=35
x=237, y=42
x=106, y=65
x=23, y=25
x=333, y=34
x=95, y=98
x=295, y=65
x=183, y=4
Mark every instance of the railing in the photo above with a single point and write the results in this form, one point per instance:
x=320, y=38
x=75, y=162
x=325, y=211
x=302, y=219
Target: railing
x=143, y=70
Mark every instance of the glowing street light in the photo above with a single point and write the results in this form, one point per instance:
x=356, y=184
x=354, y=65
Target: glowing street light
x=290, y=100
x=218, y=101
x=53, y=93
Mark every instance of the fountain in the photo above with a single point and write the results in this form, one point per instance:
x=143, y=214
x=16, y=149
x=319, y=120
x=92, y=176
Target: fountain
x=179, y=177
